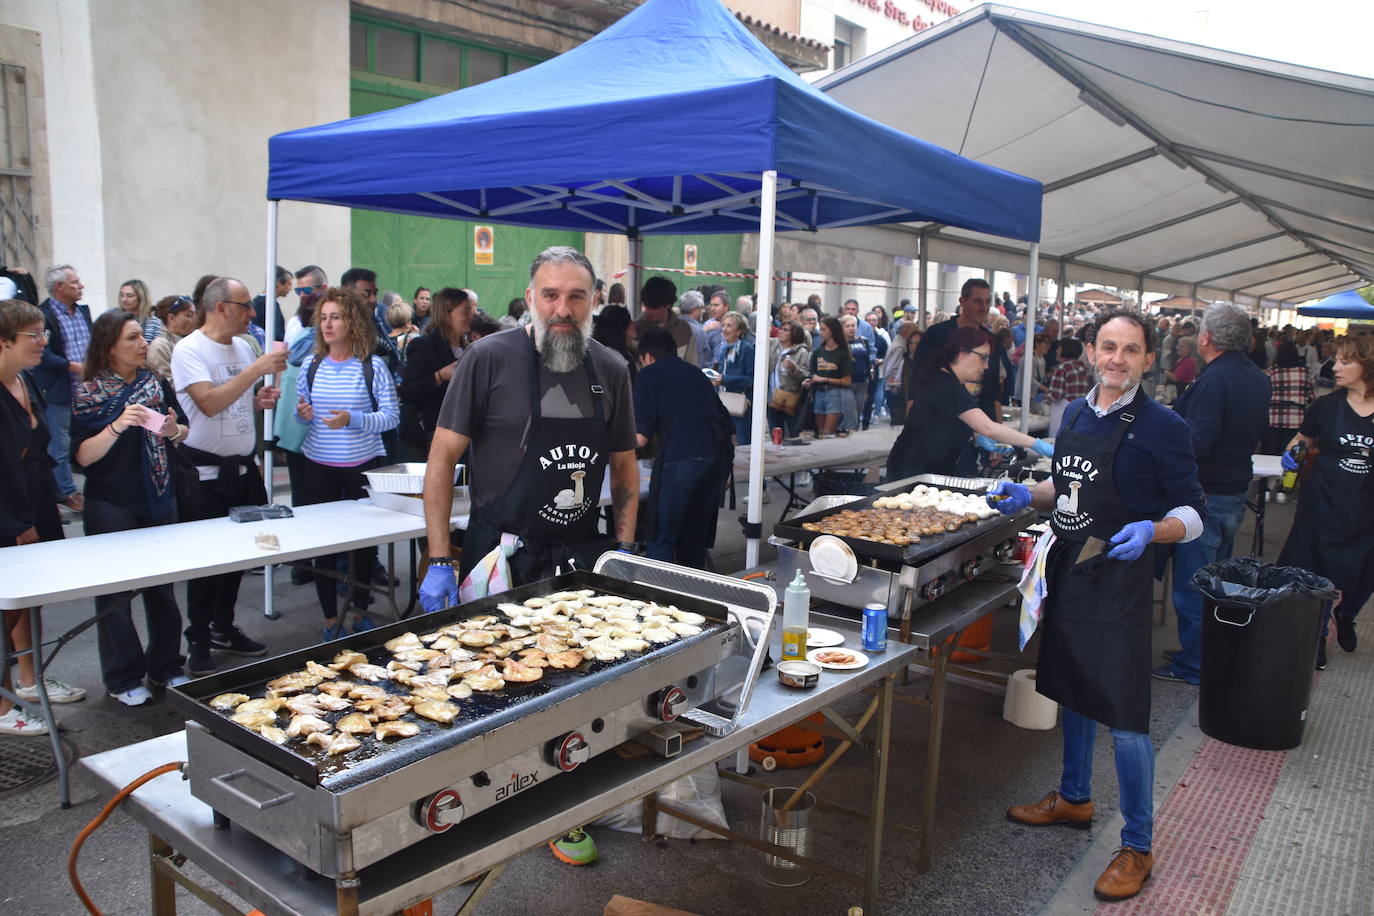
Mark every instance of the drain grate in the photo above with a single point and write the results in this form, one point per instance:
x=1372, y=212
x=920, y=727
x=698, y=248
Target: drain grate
x=27, y=762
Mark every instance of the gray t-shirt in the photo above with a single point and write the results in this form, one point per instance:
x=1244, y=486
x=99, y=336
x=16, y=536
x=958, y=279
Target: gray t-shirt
x=488, y=401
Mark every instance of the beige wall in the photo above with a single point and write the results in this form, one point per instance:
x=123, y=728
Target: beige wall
x=785, y=14
x=25, y=47
x=187, y=95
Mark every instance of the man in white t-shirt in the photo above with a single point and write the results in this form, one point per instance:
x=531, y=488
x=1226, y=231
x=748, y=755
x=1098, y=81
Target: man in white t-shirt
x=214, y=372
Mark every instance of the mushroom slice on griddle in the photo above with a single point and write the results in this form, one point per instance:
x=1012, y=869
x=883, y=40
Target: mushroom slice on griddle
x=514, y=672
x=432, y=694
x=322, y=671
x=459, y=691
x=406, y=640
x=439, y=712
x=604, y=649
x=368, y=692
x=227, y=701
x=304, y=725
x=354, y=722
x=335, y=744
x=272, y=733
x=568, y=658
x=335, y=688
x=369, y=672
x=396, y=730
x=347, y=657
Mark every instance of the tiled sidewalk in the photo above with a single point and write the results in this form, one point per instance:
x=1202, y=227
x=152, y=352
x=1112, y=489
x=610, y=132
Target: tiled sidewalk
x=1252, y=833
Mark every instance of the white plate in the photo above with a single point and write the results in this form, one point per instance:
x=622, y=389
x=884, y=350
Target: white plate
x=823, y=639
x=859, y=660
x=833, y=558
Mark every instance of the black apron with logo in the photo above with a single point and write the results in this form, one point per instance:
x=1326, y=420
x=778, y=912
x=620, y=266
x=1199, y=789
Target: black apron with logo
x=1095, y=635
x=1333, y=531
x=552, y=502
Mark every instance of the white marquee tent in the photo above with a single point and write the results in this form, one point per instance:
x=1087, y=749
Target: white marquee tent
x=1167, y=166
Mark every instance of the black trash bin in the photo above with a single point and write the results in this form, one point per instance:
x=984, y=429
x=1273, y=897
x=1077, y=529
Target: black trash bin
x=1260, y=628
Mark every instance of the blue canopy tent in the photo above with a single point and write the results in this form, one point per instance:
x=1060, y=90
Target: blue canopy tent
x=610, y=137
x=1349, y=304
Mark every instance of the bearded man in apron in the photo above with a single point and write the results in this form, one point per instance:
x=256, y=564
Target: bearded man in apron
x=542, y=412
x=1124, y=478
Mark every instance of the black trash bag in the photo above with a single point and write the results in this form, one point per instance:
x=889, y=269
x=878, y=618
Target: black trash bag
x=1248, y=583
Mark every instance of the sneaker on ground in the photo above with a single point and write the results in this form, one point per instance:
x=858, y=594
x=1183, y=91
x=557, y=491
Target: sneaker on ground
x=58, y=691
x=76, y=502
x=1346, y=637
x=137, y=695
x=333, y=633
x=574, y=847
x=235, y=642
x=19, y=722
x=175, y=680
x=362, y=623
x=199, y=660
x=1282, y=497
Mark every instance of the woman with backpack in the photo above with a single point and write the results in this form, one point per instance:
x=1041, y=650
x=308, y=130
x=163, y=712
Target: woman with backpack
x=346, y=398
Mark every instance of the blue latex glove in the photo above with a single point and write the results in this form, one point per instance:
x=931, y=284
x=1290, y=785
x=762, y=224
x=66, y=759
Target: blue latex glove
x=991, y=445
x=1017, y=496
x=1044, y=448
x=1131, y=541
x=1288, y=462
x=439, y=590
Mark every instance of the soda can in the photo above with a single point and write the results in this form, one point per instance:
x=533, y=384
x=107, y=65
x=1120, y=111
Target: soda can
x=777, y=435
x=875, y=628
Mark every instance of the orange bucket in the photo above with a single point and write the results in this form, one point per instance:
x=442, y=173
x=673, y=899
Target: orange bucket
x=792, y=746
x=977, y=635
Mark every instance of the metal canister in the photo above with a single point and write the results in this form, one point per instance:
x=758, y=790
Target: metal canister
x=777, y=435
x=875, y=628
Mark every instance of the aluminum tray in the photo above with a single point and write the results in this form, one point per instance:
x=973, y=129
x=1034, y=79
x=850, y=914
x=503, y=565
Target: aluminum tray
x=408, y=477
x=927, y=548
x=482, y=712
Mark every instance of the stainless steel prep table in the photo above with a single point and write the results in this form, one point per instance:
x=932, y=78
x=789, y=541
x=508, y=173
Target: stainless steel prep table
x=272, y=882
x=930, y=626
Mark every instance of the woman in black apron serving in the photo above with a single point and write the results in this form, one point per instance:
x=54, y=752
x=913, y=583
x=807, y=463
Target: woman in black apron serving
x=1124, y=478
x=542, y=417
x=1333, y=531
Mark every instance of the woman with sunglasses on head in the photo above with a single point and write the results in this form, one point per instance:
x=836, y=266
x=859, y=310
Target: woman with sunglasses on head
x=28, y=501
x=347, y=399
x=177, y=315
x=944, y=416
x=123, y=426
x=135, y=299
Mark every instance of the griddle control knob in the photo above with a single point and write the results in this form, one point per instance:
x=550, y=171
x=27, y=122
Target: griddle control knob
x=670, y=703
x=971, y=569
x=440, y=811
x=570, y=751
x=933, y=589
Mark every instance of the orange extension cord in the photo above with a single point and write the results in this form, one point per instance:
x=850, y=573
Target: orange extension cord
x=100, y=819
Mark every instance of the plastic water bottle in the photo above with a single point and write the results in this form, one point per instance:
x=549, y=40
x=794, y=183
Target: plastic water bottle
x=796, y=609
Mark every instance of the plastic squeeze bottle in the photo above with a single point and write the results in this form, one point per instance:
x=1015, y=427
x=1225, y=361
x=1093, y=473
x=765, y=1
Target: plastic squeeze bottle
x=796, y=608
x=1290, y=478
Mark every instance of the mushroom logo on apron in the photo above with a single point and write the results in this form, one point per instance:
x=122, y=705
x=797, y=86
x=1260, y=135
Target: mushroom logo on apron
x=1356, y=461
x=1077, y=470
x=572, y=502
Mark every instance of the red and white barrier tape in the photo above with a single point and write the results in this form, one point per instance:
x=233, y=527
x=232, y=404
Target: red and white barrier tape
x=739, y=276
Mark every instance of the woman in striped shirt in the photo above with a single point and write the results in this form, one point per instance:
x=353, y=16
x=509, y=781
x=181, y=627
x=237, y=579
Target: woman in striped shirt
x=348, y=404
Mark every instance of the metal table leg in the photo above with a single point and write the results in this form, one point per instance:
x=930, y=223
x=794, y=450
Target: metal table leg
x=64, y=787
x=164, y=891
x=878, y=807
x=937, y=725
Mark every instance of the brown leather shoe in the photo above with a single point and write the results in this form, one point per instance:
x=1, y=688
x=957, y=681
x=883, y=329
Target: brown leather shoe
x=1053, y=809
x=1126, y=875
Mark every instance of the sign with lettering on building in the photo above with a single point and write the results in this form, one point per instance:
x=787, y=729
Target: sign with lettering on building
x=689, y=258
x=483, y=245
x=902, y=16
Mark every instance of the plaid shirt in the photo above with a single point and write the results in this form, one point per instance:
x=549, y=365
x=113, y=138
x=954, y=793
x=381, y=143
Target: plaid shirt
x=1291, y=395
x=76, y=334
x=1070, y=381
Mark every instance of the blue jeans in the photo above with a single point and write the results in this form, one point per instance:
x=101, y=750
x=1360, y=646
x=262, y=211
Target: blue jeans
x=59, y=418
x=1135, y=775
x=1224, y=514
x=688, y=491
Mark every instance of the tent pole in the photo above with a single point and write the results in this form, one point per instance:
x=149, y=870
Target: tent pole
x=759, y=421
x=1140, y=293
x=1194, y=300
x=1028, y=355
x=634, y=275
x=269, y=301
x=921, y=281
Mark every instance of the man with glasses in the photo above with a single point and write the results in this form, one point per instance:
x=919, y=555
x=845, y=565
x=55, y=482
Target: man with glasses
x=68, y=325
x=214, y=374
